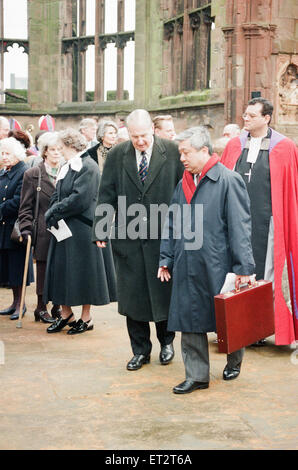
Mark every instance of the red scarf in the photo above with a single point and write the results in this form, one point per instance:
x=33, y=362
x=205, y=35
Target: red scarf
x=188, y=184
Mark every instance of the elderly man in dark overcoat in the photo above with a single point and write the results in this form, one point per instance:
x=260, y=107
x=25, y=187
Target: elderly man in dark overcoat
x=139, y=175
x=207, y=236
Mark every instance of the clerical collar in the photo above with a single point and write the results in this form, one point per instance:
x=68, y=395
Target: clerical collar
x=255, y=144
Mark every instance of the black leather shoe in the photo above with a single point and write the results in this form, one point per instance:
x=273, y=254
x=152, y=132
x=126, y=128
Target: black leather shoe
x=60, y=323
x=43, y=316
x=137, y=362
x=166, y=354
x=259, y=344
x=231, y=373
x=7, y=311
x=81, y=327
x=15, y=315
x=189, y=386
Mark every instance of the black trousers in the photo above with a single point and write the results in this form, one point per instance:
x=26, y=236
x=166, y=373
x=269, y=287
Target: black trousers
x=139, y=334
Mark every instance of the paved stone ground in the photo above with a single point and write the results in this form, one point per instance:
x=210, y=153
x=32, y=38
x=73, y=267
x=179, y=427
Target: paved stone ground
x=62, y=392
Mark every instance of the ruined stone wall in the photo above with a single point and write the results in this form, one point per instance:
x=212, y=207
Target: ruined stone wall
x=253, y=48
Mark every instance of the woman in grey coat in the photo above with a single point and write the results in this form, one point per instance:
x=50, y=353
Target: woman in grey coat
x=77, y=273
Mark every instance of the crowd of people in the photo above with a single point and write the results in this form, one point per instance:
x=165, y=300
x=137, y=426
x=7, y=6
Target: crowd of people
x=57, y=191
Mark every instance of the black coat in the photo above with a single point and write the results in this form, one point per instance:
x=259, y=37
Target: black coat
x=12, y=255
x=10, y=195
x=141, y=295
x=78, y=272
x=223, y=244
x=27, y=208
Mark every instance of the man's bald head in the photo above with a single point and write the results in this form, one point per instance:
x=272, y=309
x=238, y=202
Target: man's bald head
x=140, y=128
x=141, y=117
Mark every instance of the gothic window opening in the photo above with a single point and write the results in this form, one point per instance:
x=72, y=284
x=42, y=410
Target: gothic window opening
x=14, y=49
x=98, y=43
x=186, y=45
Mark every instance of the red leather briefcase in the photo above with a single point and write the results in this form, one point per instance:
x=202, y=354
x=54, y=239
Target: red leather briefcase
x=244, y=316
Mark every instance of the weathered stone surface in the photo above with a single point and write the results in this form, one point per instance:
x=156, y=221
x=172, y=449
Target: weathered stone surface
x=248, y=38
x=62, y=392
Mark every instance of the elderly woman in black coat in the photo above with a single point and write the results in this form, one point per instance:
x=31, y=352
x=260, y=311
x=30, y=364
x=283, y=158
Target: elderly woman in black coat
x=107, y=135
x=12, y=255
x=77, y=272
x=39, y=185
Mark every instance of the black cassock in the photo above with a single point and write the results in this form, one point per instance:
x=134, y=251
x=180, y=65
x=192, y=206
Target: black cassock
x=257, y=179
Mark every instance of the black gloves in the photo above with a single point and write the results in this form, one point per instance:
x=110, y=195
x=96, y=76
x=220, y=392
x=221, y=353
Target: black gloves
x=51, y=219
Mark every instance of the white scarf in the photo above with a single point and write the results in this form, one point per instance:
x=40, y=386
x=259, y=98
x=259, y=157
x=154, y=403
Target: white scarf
x=75, y=163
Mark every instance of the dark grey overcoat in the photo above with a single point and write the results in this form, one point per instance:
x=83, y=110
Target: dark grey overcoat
x=78, y=272
x=141, y=295
x=27, y=208
x=225, y=237
x=12, y=255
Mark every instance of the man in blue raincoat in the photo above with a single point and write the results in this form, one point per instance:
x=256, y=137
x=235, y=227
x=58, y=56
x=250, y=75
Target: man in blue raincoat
x=207, y=234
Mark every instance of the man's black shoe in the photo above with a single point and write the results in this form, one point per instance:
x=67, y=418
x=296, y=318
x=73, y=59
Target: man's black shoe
x=166, y=354
x=189, y=386
x=231, y=373
x=137, y=362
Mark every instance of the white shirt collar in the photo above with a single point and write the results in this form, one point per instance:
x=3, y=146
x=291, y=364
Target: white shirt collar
x=148, y=152
x=75, y=163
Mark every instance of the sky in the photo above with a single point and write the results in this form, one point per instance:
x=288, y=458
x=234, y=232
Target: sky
x=15, y=26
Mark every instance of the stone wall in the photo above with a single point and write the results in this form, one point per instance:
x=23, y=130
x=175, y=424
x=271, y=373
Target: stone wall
x=253, y=48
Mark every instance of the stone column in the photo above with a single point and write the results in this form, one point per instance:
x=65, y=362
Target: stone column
x=120, y=53
x=45, y=54
x=249, y=46
x=82, y=53
x=99, y=51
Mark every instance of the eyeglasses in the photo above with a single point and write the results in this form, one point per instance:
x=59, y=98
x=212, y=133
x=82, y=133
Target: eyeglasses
x=253, y=116
x=250, y=116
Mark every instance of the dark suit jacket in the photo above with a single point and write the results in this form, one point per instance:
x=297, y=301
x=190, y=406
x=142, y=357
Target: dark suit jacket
x=10, y=194
x=27, y=208
x=141, y=295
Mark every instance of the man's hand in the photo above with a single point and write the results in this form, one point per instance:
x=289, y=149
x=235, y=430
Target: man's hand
x=241, y=280
x=163, y=274
x=101, y=244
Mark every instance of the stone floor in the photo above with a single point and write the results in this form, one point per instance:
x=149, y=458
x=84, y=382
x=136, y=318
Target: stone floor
x=62, y=392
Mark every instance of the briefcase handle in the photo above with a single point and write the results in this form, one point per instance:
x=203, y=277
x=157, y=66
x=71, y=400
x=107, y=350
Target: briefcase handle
x=250, y=285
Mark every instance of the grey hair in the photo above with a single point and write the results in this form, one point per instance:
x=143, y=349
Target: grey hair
x=234, y=129
x=140, y=116
x=46, y=140
x=198, y=138
x=87, y=122
x=73, y=139
x=102, y=127
x=14, y=146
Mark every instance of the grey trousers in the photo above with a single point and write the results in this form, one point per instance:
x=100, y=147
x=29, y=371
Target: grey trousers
x=195, y=354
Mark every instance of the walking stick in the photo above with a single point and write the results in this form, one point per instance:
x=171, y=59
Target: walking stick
x=19, y=323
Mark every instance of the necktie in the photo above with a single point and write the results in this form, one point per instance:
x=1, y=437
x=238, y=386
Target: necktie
x=143, y=170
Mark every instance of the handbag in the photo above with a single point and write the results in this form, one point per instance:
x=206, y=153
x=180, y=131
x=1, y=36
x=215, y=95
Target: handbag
x=35, y=220
x=16, y=235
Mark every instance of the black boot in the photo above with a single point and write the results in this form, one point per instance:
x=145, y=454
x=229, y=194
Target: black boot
x=60, y=323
